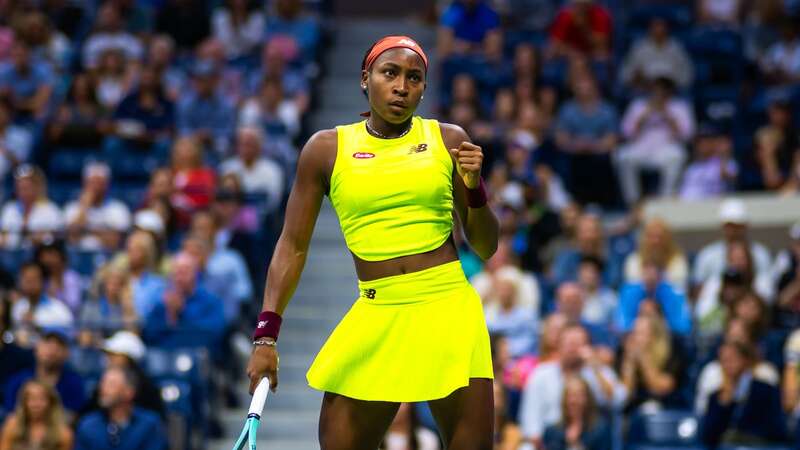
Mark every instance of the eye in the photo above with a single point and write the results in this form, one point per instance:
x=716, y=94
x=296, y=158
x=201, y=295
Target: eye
x=415, y=78
x=389, y=72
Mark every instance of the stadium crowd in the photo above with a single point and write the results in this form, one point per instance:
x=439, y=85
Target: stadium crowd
x=146, y=148
x=603, y=327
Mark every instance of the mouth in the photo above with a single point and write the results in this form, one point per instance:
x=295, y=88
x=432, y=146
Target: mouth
x=398, y=104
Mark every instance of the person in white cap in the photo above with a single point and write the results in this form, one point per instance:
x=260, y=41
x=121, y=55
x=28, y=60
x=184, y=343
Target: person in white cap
x=734, y=220
x=95, y=221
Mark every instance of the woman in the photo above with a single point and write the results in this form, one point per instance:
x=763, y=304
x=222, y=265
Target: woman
x=239, y=26
x=581, y=427
x=62, y=282
x=657, y=244
x=650, y=368
x=193, y=182
x=81, y=120
x=115, y=78
x=146, y=116
x=394, y=187
x=111, y=307
x=31, y=217
x=38, y=422
x=719, y=293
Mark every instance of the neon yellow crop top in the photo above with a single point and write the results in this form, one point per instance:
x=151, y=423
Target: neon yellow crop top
x=394, y=197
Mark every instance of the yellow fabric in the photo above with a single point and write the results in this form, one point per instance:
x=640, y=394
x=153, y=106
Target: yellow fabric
x=394, y=197
x=412, y=337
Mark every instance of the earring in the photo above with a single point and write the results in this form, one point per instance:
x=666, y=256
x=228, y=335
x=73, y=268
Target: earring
x=363, y=86
x=422, y=97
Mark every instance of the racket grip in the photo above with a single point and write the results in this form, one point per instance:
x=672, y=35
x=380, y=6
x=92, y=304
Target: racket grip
x=259, y=397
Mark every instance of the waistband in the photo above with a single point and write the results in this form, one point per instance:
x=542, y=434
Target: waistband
x=414, y=287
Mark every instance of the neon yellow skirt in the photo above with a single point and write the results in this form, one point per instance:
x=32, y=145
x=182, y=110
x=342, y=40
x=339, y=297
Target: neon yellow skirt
x=407, y=338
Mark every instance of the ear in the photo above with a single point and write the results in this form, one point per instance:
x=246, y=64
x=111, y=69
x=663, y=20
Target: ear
x=364, y=80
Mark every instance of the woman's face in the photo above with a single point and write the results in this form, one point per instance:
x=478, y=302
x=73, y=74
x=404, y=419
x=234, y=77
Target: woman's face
x=113, y=284
x=655, y=236
x=737, y=331
x=395, y=84
x=185, y=154
x=36, y=401
x=51, y=259
x=748, y=309
x=27, y=190
x=161, y=183
x=575, y=398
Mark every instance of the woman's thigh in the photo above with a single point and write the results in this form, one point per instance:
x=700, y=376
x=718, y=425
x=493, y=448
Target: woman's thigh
x=466, y=417
x=349, y=424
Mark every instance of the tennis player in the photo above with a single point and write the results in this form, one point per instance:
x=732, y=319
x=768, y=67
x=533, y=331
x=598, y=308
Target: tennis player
x=417, y=331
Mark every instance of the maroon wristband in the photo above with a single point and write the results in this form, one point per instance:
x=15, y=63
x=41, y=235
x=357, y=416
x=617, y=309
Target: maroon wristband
x=269, y=325
x=477, y=198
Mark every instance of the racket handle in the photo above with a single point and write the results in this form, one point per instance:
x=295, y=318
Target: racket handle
x=259, y=397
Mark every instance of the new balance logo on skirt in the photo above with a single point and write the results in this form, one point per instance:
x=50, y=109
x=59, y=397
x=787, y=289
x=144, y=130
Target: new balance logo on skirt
x=262, y=323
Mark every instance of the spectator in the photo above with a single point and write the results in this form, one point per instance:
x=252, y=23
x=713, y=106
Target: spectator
x=14, y=357
x=543, y=392
x=293, y=30
x=589, y=241
x=272, y=111
x=186, y=307
x=581, y=29
x=777, y=145
x=239, y=26
x=179, y=20
x=161, y=58
x=711, y=260
x=258, y=174
x=587, y=130
x=146, y=116
x=193, y=183
x=753, y=311
x=601, y=303
x=110, y=307
x=275, y=64
x=469, y=26
x=787, y=270
x=744, y=410
x=38, y=421
x=651, y=366
x=62, y=282
x=31, y=217
x=27, y=84
x=657, y=244
x=52, y=352
x=126, y=351
x=528, y=15
x=508, y=434
x=721, y=291
x=780, y=64
x=80, y=121
x=46, y=43
x=713, y=171
x=791, y=380
x=710, y=377
x=95, y=221
x=720, y=12
x=224, y=272
x=657, y=54
x=581, y=424
x=142, y=261
x=34, y=308
x=504, y=314
x=654, y=293
x=237, y=221
x=16, y=142
x=115, y=78
x=204, y=113
x=121, y=424
x=504, y=263
x=109, y=34
x=136, y=16
x=656, y=130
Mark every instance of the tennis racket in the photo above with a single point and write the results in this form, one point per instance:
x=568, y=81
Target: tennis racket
x=250, y=429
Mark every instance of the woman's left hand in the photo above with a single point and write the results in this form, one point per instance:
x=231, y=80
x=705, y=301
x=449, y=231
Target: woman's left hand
x=469, y=159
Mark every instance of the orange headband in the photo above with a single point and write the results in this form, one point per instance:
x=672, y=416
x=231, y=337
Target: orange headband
x=390, y=42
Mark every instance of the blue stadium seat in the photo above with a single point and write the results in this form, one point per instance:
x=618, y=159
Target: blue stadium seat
x=88, y=362
x=663, y=430
x=86, y=262
x=177, y=398
x=67, y=163
x=678, y=16
x=11, y=259
x=133, y=166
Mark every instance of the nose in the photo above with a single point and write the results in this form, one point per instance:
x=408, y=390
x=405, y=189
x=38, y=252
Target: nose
x=401, y=87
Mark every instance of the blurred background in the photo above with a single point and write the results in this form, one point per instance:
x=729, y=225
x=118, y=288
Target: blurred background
x=642, y=156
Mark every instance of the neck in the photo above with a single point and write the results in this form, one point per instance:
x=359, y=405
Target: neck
x=121, y=413
x=136, y=271
x=49, y=375
x=383, y=129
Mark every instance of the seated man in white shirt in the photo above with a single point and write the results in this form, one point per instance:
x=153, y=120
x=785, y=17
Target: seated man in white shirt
x=258, y=174
x=95, y=221
x=34, y=308
x=541, y=398
x=30, y=217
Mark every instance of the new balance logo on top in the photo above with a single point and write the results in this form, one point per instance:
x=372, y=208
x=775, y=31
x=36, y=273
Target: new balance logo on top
x=369, y=293
x=262, y=324
x=417, y=148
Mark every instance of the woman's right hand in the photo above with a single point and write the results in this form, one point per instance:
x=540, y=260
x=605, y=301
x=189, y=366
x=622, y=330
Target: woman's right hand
x=263, y=363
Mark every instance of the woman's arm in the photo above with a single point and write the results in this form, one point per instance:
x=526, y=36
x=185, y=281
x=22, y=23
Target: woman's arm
x=292, y=247
x=480, y=224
